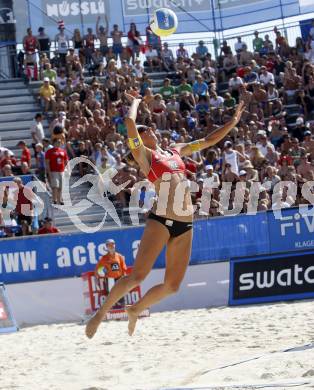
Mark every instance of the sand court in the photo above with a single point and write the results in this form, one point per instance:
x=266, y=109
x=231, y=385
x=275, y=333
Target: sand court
x=230, y=347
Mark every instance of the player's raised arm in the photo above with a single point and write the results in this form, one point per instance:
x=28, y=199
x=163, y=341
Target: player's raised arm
x=213, y=138
x=138, y=150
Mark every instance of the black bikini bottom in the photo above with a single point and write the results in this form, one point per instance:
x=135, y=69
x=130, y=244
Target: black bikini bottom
x=175, y=228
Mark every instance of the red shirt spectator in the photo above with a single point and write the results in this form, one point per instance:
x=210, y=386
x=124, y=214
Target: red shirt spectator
x=58, y=159
x=7, y=160
x=26, y=154
x=48, y=228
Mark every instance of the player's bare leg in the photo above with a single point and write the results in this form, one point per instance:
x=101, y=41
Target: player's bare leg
x=177, y=258
x=146, y=256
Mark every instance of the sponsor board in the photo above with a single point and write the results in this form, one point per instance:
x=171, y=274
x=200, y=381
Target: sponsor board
x=69, y=11
x=142, y=7
x=95, y=294
x=286, y=276
x=7, y=321
x=291, y=230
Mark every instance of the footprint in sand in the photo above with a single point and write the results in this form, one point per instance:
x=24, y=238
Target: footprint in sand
x=266, y=375
x=308, y=373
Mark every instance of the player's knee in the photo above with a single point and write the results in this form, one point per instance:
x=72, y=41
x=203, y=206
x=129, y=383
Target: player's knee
x=136, y=278
x=172, y=287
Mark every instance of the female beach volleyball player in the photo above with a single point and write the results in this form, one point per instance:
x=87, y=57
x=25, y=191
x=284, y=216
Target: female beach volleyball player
x=170, y=221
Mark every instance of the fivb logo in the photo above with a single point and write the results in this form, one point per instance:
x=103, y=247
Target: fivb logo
x=294, y=223
x=75, y=8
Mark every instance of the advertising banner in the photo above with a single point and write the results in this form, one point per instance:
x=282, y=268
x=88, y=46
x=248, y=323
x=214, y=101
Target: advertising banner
x=305, y=26
x=225, y=237
x=193, y=15
x=271, y=278
x=62, y=256
x=95, y=294
x=218, y=239
x=293, y=230
x=7, y=321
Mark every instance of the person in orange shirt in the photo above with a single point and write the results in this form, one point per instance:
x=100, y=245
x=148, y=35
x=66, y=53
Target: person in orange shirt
x=111, y=266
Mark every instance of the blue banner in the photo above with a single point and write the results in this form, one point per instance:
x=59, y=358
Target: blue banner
x=193, y=15
x=305, y=26
x=293, y=230
x=61, y=256
x=215, y=239
x=218, y=239
x=68, y=255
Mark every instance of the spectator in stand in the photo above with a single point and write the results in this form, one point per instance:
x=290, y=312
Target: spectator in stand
x=78, y=43
x=200, y=88
x=48, y=95
x=201, y=50
x=225, y=49
x=56, y=160
x=182, y=52
x=62, y=44
x=231, y=157
x=49, y=73
x=167, y=90
x=152, y=58
x=152, y=39
x=30, y=45
x=102, y=34
x=44, y=42
x=24, y=209
x=234, y=84
x=116, y=36
x=250, y=76
x=48, y=227
x=26, y=154
x=238, y=46
x=37, y=130
x=230, y=65
x=167, y=58
x=246, y=56
x=257, y=42
x=134, y=42
x=265, y=76
x=7, y=160
x=40, y=162
x=89, y=45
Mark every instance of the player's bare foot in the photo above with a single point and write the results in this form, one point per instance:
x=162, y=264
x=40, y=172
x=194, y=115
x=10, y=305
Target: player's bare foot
x=92, y=326
x=133, y=316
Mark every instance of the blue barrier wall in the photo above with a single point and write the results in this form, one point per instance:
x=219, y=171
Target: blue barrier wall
x=216, y=239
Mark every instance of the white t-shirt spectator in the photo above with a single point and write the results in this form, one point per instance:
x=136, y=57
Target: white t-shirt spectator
x=62, y=43
x=2, y=150
x=266, y=78
x=151, y=54
x=235, y=82
x=263, y=148
x=217, y=103
x=38, y=131
x=61, y=82
x=138, y=71
x=210, y=181
x=232, y=159
x=238, y=46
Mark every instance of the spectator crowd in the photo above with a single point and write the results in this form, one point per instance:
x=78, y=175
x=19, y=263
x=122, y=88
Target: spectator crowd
x=83, y=98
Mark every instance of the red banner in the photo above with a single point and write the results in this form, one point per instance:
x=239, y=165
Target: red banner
x=95, y=294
